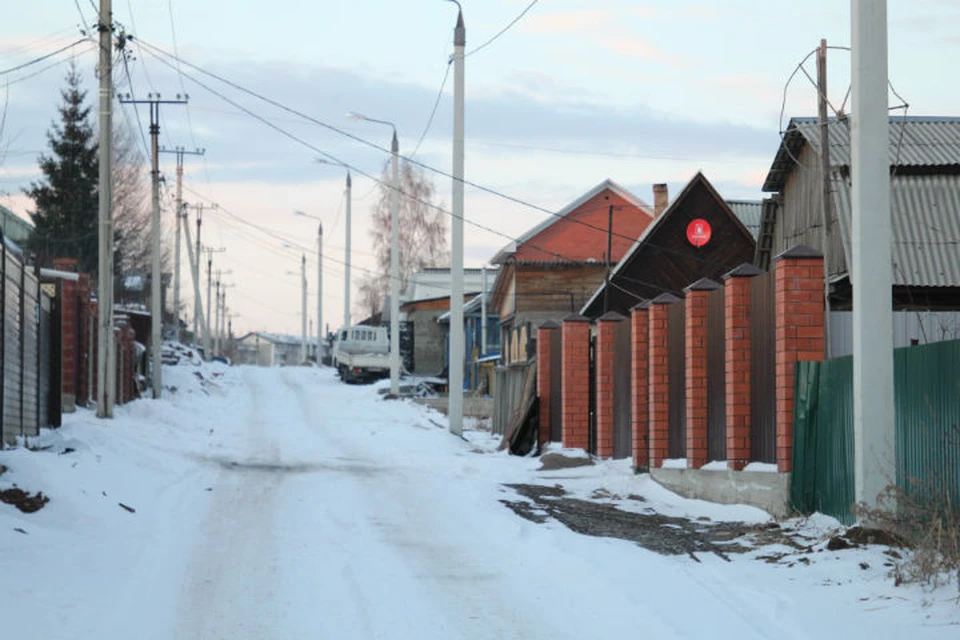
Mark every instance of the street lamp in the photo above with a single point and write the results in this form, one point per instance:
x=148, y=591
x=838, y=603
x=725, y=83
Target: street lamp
x=346, y=251
x=394, y=258
x=319, y=278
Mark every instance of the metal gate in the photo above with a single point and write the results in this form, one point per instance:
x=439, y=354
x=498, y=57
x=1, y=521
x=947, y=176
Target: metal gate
x=592, y=396
x=763, y=364
x=622, y=399
x=716, y=377
x=556, y=388
x=676, y=375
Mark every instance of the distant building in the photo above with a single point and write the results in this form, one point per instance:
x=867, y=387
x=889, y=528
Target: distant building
x=14, y=228
x=267, y=349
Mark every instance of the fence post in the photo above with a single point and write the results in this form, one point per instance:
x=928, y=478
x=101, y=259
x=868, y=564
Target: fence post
x=659, y=403
x=639, y=385
x=604, y=372
x=737, y=349
x=546, y=334
x=799, y=316
x=695, y=344
x=575, y=381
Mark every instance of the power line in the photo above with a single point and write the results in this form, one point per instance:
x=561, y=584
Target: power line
x=503, y=31
x=436, y=104
x=42, y=58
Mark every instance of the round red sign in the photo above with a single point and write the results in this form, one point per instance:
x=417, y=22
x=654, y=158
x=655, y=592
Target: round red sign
x=698, y=232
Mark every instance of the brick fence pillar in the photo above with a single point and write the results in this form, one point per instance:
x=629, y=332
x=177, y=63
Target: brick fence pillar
x=69, y=345
x=799, y=309
x=93, y=314
x=575, y=381
x=695, y=369
x=737, y=349
x=639, y=386
x=547, y=333
x=604, y=373
x=659, y=379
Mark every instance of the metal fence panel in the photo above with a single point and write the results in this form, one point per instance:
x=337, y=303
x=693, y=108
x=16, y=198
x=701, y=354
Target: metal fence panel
x=508, y=395
x=12, y=358
x=676, y=374
x=622, y=400
x=763, y=354
x=716, y=377
x=556, y=388
x=30, y=393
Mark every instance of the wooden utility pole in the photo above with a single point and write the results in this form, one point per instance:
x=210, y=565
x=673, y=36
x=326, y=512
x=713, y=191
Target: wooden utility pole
x=825, y=194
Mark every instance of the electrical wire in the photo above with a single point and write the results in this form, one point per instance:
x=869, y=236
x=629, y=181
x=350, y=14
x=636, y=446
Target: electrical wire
x=502, y=31
x=42, y=58
x=433, y=112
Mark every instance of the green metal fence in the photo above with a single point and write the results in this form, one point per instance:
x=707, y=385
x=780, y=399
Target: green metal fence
x=927, y=402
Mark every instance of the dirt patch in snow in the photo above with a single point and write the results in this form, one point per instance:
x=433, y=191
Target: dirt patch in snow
x=667, y=535
x=22, y=500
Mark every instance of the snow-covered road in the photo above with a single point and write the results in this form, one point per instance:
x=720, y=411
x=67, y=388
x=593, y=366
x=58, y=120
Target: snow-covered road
x=280, y=503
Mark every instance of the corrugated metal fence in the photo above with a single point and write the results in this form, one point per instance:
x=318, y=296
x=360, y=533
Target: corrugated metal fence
x=927, y=401
x=24, y=372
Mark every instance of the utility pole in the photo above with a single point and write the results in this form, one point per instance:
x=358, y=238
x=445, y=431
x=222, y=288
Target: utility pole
x=207, y=345
x=195, y=266
x=455, y=391
x=825, y=194
x=216, y=322
x=873, y=386
x=346, y=261
x=483, y=314
x=303, y=306
x=319, y=288
x=195, y=270
x=180, y=152
x=156, y=303
x=105, y=345
x=394, y=270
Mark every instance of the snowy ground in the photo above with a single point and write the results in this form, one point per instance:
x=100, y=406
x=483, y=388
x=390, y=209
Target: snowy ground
x=280, y=503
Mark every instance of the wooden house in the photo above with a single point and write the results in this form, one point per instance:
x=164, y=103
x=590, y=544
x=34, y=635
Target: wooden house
x=552, y=269
x=699, y=235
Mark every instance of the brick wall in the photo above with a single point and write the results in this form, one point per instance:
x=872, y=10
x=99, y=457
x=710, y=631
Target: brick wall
x=575, y=334
x=640, y=373
x=798, y=273
x=659, y=380
x=604, y=373
x=695, y=344
x=737, y=362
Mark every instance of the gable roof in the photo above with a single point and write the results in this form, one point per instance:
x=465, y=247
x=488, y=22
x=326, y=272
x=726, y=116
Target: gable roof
x=508, y=251
x=749, y=213
x=698, y=180
x=916, y=142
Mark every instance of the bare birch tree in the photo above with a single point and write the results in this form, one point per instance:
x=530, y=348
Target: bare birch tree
x=422, y=234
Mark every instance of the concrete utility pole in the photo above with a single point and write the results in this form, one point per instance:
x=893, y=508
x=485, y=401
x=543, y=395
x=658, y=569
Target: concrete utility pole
x=207, y=344
x=180, y=152
x=319, y=288
x=825, y=193
x=455, y=411
x=483, y=313
x=216, y=321
x=195, y=271
x=105, y=346
x=346, y=260
x=303, y=306
x=873, y=387
x=156, y=302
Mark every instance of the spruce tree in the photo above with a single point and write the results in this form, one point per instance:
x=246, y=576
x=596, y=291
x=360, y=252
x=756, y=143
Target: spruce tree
x=66, y=197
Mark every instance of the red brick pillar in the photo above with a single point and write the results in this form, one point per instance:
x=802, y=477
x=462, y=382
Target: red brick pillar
x=575, y=382
x=799, y=334
x=659, y=402
x=639, y=387
x=604, y=372
x=93, y=311
x=547, y=334
x=736, y=311
x=84, y=344
x=69, y=352
x=695, y=342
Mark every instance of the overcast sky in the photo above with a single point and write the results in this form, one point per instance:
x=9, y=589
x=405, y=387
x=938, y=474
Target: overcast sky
x=572, y=94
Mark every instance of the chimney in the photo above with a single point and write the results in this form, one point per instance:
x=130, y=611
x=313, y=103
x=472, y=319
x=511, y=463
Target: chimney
x=660, y=199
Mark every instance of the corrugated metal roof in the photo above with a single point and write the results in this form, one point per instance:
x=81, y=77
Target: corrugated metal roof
x=749, y=212
x=925, y=220
x=915, y=141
